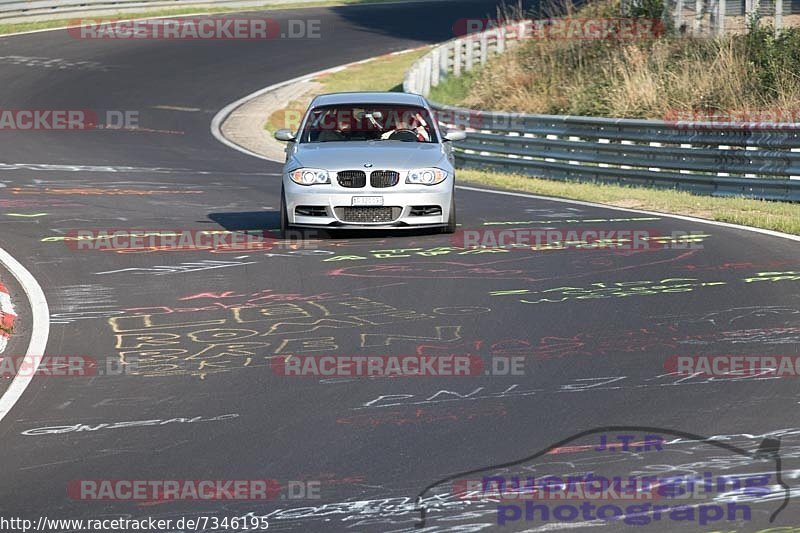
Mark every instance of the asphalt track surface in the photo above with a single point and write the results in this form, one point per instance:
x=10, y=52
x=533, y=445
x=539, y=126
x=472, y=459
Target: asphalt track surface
x=593, y=327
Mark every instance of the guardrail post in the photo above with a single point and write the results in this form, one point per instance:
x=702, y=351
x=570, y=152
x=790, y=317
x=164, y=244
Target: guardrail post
x=724, y=147
x=484, y=48
x=444, y=58
x=412, y=81
x=655, y=145
x=698, y=16
x=573, y=161
x=501, y=40
x=469, y=42
x=624, y=142
x=457, y=57
x=752, y=10
x=679, y=14
x=427, y=67
x=713, y=16
x=435, y=68
x=723, y=11
x=778, y=15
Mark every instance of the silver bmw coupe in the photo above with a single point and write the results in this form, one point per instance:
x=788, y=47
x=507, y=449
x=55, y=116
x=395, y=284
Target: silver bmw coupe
x=369, y=160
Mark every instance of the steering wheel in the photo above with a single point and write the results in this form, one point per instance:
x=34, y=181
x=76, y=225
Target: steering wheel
x=404, y=135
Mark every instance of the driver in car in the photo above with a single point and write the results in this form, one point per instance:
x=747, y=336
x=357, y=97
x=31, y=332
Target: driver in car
x=412, y=124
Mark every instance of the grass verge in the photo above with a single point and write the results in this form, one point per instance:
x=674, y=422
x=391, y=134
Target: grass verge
x=454, y=90
x=778, y=216
x=17, y=27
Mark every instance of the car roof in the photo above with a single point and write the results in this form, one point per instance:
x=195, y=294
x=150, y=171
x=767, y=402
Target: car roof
x=369, y=98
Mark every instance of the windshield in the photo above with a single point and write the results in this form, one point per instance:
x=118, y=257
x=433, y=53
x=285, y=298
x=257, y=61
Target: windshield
x=368, y=123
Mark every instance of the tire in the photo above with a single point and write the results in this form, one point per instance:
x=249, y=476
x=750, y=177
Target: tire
x=284, y=215
x=451, y=220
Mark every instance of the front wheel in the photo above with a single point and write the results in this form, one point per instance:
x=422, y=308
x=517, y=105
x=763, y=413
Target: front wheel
x=451, y=220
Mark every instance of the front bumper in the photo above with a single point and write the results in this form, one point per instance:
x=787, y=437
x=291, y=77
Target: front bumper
x=403, y=196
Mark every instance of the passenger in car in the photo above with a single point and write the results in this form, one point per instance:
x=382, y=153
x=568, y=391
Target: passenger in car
x=341, y=132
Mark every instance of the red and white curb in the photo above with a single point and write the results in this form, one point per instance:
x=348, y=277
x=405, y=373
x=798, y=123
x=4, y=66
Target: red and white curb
x=39, y=326
x=7, y=317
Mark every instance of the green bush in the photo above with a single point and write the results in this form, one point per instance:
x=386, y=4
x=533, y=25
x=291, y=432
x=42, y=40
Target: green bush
x=774, y=57
x=651, y=9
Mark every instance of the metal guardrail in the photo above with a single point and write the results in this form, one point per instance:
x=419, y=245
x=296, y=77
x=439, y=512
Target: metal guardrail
x=749, y=159
x=21, y=11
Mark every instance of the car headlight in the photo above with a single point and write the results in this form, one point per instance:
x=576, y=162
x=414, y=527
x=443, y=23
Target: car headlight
x=426, y=176
x=309, y=176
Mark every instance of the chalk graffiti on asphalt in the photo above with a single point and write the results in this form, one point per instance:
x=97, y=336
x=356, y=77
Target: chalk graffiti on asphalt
x=679, y=243
x=575, y=385
x=19, y=203
x=182, y=268
x=96, y=191
x=164, y=341
x=83, y=302
x=623, y=289
x=783, y=315
x=741, y=265
x=528, y=268
x=79, y=428
x=571, y=220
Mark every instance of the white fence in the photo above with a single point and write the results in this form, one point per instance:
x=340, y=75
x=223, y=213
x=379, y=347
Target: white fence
x=702, y=17
x=461, y=55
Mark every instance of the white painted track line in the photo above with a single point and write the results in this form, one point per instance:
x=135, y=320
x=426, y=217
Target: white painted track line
x=654, y=213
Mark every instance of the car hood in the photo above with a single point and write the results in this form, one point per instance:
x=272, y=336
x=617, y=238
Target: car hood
x=351, y=155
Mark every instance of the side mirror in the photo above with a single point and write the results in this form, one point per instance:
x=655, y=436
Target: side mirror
x=455, y=135
x=285, y=135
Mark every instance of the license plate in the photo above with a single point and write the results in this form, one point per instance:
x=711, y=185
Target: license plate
x=367, y=200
